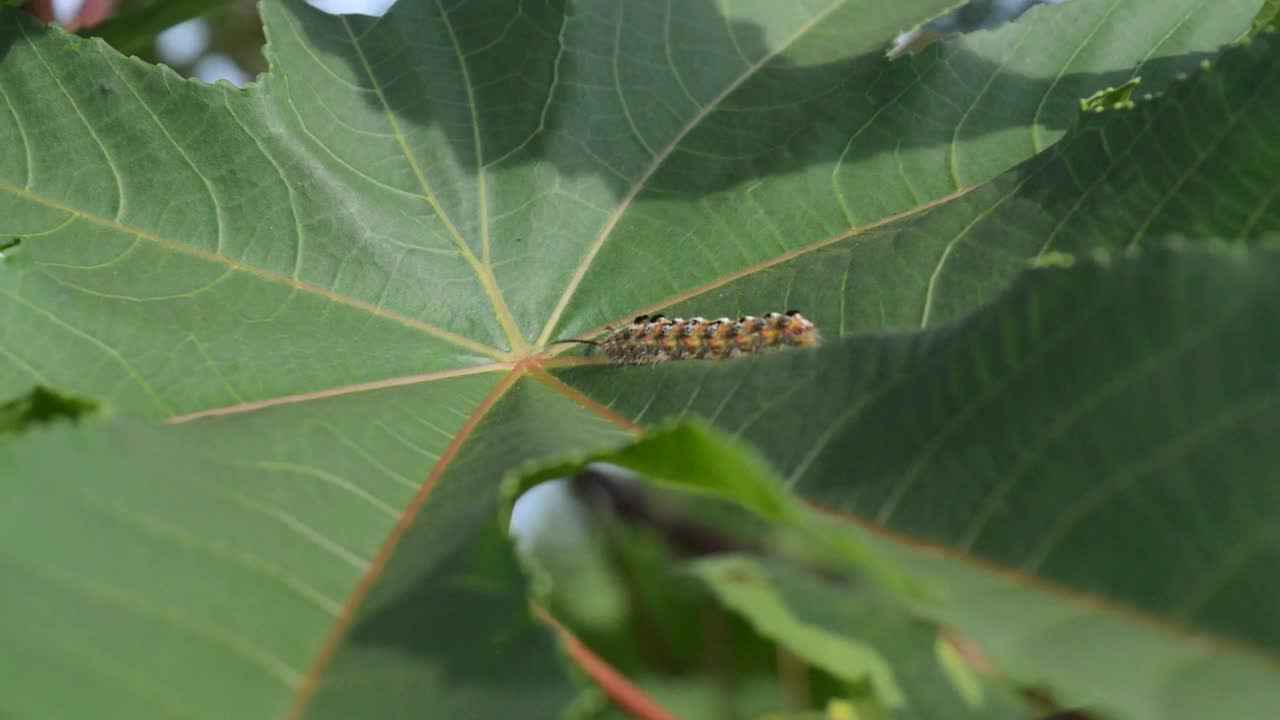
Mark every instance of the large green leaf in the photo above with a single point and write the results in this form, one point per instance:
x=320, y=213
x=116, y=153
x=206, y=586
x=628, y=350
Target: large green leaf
x=201, y=570
x=359, y=260
x=1108, y=533
x=429, y=192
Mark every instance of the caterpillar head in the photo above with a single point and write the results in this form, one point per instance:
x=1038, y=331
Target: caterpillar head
x=798, y=330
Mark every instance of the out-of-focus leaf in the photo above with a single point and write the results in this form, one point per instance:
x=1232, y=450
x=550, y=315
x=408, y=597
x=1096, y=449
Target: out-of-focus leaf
x=674, y=641
x=135, y=24
x=564, y=550
x=1268, y=16
x=853, y=633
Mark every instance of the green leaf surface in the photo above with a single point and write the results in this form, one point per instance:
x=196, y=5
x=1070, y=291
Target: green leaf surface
x=340, y=282
x=428, y=192
x=224, y=554
x=1108, y=533
x=1198, y=161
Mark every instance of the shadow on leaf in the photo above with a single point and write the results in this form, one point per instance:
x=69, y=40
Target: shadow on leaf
x=556, y=86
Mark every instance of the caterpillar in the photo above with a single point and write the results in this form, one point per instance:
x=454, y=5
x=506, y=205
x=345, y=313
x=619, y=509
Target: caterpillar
x=653, y=339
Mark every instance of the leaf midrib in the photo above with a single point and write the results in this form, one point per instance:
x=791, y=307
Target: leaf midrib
x=305, y=689
x=481, y=267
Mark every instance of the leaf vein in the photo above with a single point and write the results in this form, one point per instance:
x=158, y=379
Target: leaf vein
x=594, y=247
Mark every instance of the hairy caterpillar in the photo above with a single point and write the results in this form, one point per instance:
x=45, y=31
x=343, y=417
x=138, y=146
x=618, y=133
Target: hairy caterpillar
x=658, y=338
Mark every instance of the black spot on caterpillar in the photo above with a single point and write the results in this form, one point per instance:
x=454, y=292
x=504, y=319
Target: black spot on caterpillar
x=657, y=339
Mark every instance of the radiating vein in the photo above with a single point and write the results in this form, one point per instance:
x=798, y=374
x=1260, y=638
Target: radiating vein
x=329, y=478
x=341, y=390
x=483, y=273
x=104, y=347
x=770, y=262
x=267, y=275
x=658, y=160
x=311, y=680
